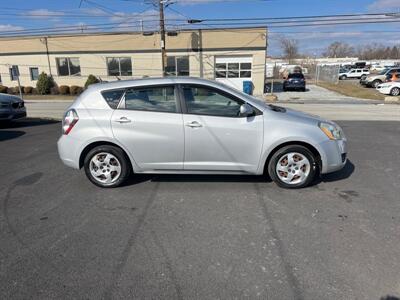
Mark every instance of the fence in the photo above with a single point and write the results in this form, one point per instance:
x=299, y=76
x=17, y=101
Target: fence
x=327, y=74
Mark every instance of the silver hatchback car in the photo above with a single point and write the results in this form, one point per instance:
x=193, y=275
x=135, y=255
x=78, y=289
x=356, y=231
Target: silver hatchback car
x=194, y=126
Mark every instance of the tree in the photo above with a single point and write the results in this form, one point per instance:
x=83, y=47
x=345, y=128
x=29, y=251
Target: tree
x=339, y=49
x=44, y=84
x=290, y=48
x=91, y=80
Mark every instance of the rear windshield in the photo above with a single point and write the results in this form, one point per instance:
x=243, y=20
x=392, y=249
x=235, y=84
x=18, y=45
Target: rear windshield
x=113, y=97
x=296, y=75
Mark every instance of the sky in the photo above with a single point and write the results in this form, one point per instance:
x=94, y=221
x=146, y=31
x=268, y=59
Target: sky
x=22, y=15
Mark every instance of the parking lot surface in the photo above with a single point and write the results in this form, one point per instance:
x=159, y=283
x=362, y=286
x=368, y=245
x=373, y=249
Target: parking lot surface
x=198, y=237
x=316, y=94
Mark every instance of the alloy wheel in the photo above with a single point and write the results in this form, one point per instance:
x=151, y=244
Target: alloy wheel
x=293, y=168
x=105, y=168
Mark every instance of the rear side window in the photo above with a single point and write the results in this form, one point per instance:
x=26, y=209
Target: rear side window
x=113, y=97
x=157, y=99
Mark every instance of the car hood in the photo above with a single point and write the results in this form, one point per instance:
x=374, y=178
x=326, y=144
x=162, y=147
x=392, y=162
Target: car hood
x=298, y=116
x=9, y=98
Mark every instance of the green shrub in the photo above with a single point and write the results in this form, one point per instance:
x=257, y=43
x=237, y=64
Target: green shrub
x=91, y=80
x=64, y=89
x=3, y=89
x=44, y=84
x=75, y=90
x=34, y=91
x=28, y=90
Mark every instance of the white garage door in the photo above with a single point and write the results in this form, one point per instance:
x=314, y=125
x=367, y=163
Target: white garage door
x=233, y=70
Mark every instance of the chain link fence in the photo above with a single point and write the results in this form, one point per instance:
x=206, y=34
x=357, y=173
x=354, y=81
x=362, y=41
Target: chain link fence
x=328, y=74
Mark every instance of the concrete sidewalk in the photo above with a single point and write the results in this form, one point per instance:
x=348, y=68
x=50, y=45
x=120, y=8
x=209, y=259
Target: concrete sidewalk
x=360, y=111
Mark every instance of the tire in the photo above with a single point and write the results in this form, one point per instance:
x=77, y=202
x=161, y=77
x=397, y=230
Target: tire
x=375, y=83
x=306, y=167
x=395, y=91
x=107, y=166
x=363, y=77
x=343, y=77
x=303, y=89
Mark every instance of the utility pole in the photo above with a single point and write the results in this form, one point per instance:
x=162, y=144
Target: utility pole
x=162, y=34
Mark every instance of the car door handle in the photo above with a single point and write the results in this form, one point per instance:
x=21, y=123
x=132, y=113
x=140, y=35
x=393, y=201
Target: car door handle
x=194, y=124
x=123, y=120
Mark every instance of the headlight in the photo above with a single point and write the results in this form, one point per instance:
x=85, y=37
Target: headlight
x=332, y=131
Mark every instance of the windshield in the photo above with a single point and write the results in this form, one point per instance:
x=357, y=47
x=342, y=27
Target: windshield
x=384, y=72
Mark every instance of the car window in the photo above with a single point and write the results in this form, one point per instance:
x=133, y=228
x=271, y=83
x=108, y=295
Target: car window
x=352, y=71
x=296, y=75
x=201, y=100
x=158, y=99
x=113, y=97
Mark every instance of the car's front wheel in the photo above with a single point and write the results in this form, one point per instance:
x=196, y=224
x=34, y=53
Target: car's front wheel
x=107, y=166
x=395, y=91
x=292, y=167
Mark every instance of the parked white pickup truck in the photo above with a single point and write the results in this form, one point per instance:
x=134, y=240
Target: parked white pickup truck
x=354, y=73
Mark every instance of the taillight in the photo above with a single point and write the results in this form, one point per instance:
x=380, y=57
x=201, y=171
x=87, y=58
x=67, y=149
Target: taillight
x=69, y=121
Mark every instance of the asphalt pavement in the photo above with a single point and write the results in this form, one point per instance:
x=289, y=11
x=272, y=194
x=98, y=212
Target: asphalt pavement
x=198, y=237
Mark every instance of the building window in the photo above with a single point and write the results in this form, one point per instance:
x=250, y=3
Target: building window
x=34, y=72
x=12, y=77
x=119, y=66
x=68, y=66
x=177, y=66
x=233, y=70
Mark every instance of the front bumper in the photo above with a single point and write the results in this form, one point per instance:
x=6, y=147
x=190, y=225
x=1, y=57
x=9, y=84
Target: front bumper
x=12, y=114
x=384, y=90
x=333, y=155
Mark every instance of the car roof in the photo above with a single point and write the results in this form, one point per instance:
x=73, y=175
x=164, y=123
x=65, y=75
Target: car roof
x=87, y=99
x=151, y=81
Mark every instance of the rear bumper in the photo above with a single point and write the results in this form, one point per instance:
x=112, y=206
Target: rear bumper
x=68, y=150
x=333, y=155
x=294, y=85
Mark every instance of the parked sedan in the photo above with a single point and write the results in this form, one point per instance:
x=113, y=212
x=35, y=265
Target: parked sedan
x=11, y=107
x=295, y=81
x=390, y=88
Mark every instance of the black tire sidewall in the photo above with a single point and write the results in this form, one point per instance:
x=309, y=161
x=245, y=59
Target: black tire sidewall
x=119, y=154
x=287, y=149
x=376, y=83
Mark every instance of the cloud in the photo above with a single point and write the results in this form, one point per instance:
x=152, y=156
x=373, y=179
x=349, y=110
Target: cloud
x=44, y=14
x=384, y=5
x=9, y=27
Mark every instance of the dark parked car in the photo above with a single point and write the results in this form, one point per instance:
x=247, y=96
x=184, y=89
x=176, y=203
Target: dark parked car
x=294, y=81
x=11, y=107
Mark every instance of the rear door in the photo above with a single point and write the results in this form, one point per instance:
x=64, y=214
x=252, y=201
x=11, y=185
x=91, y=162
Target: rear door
x=217, y=138
x=149, y=124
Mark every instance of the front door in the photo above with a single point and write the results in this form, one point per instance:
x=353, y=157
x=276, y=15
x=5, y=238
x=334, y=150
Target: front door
x=150, y=125
x=217, y=138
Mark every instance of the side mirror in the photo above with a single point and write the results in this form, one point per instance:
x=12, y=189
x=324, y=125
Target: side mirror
x=246, y=110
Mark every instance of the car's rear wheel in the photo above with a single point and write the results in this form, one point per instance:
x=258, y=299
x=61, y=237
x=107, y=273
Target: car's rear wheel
x=375, y=83
x=343, y=77
x=395, y=91
x=292, y=167
x=107, y=166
